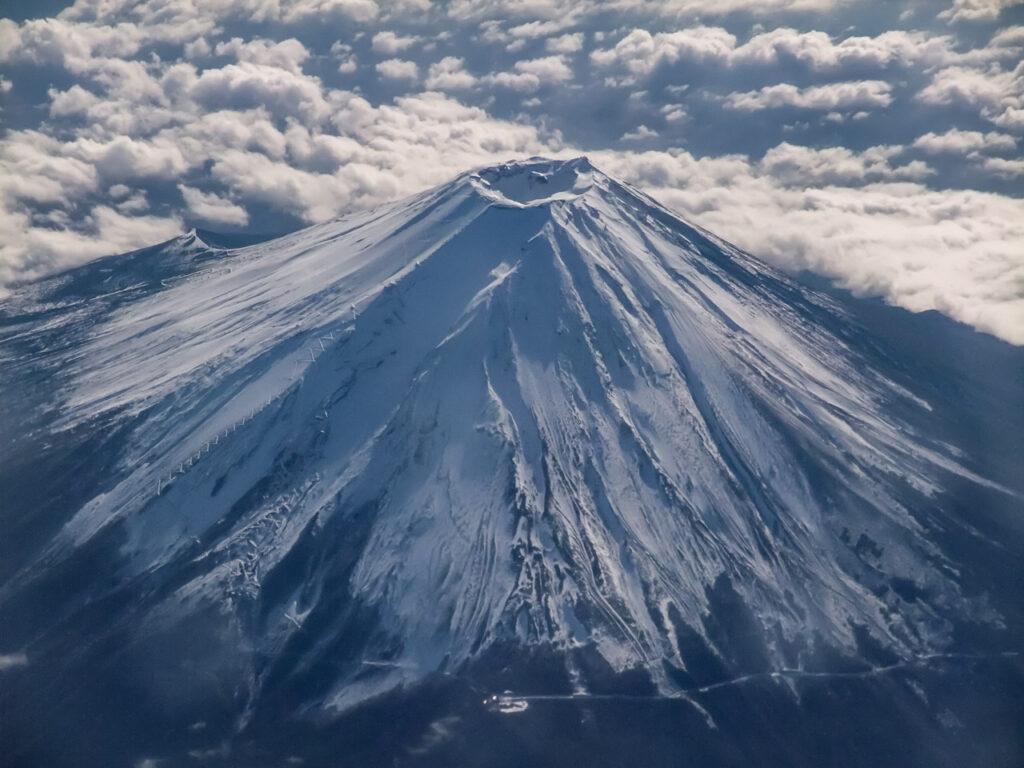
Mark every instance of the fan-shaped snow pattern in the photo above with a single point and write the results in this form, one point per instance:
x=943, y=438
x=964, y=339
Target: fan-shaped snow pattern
x=529, y=407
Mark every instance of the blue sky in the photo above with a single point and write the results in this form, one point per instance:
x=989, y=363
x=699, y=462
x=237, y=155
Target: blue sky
x=879, y=143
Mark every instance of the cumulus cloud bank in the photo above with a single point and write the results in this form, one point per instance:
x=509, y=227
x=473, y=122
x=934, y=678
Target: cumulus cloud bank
x=862, y=94
x=889, y=160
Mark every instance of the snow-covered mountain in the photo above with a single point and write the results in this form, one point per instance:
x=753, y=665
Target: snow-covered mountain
x=526, y=427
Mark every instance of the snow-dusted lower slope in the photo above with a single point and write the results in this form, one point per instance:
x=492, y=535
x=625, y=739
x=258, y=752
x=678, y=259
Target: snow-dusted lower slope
x=530, y=408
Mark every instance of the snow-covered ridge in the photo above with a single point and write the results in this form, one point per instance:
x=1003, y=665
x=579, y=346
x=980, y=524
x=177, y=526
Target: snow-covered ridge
x=530, y=399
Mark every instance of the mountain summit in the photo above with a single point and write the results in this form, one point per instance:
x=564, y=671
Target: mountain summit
x=526, y=430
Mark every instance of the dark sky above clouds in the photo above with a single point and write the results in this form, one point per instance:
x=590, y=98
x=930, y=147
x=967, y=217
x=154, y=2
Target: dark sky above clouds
x=876, y=142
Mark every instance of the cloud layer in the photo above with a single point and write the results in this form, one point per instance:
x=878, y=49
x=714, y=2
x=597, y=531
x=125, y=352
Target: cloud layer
x=863, y=142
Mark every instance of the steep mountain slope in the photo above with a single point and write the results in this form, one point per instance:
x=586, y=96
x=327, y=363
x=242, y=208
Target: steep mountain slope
x=526, y=421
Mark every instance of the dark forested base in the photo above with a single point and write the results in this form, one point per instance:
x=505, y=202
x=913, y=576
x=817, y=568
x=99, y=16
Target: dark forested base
x=952, y=712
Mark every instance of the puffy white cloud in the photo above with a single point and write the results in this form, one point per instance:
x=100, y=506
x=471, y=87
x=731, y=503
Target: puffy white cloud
x=449, y=74
x=549, y=69
x=34, y=169
x=125, y=159
x=29, y=250
x=569, y=43
x=10, y=38
x=472, y=10
x=387, y=151
x=398, y=69
x=245, y=86
x=403, y=9
x=976, y=10
x=213, y=132
x=168, y=20
x=674, y=113
x=389, y=43
x=792, y=165
x=212, y=208
x=256, y=178
x=641, y=52
x=640, y=133
x=532, y=30
x=821, y=52
x=529, y=75
x=300, y=10
x=347, y=61
x=115, y=232
x=81, y=35
x=450, y=134
x=672, y=8
x=137, y=203
x=197, y=49
x=1000, y=166
x=1010, y=119
x=288, y=54
x=1010, y=37
x=469, y=10
x=182, y=18
x=517, y=81
x=862, y=93
x=73, y=102
x=966, y=85
x=118, y=191
x=997, y=93
x=965, y=142
x=517, y=36
x=60, y=42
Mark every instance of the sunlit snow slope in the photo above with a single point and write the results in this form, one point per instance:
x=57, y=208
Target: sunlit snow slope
x=528, y=408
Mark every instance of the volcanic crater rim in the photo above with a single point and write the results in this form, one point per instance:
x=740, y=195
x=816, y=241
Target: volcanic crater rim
x=536, y=181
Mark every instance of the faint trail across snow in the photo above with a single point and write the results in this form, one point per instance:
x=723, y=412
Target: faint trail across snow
x=684, y=693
